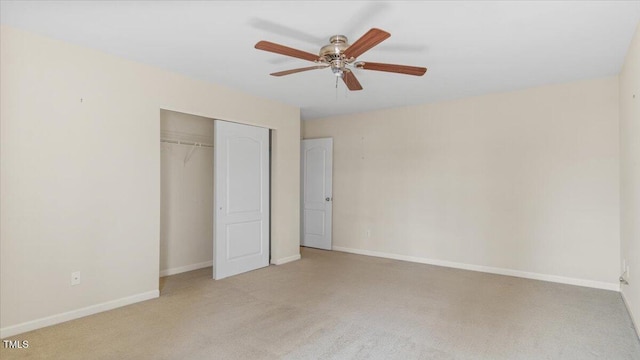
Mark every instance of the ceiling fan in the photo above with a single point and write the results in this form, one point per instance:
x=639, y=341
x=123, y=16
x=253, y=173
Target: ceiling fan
x=341, y=57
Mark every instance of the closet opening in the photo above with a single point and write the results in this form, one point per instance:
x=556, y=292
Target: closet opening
x=186, y=193
x=193, y=204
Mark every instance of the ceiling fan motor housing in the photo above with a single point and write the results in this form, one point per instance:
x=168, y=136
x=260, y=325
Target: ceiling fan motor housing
x=333, y=53
x=334, y=50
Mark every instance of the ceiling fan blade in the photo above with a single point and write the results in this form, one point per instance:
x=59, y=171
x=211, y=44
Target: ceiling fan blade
x=293, y=71
x=400, y=69
x=284, y=50
x=372, y=38
x=351, y=81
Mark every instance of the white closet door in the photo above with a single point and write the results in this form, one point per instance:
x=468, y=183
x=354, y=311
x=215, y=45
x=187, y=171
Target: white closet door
x=317, y=189
x=241, y=217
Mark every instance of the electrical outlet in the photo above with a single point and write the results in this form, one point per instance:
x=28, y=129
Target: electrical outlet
x=75, y=278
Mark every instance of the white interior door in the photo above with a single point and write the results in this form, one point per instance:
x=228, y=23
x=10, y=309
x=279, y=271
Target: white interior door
x=317, y=192
x=241, y=197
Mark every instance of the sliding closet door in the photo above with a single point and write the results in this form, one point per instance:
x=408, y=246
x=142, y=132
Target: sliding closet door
x=241, y=216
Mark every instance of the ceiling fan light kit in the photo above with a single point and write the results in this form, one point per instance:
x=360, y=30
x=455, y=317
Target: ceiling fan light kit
x=341, y=57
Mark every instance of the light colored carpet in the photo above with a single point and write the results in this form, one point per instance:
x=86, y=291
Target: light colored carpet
x=332, y=305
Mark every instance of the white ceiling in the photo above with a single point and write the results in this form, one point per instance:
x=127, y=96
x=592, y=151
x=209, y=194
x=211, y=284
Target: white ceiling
x=469, y=47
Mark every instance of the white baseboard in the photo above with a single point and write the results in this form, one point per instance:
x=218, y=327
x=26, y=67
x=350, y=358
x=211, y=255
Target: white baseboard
x=633, y=319
x=486, y=269
x=181, y=269
x=75, y=314
x=285, y=260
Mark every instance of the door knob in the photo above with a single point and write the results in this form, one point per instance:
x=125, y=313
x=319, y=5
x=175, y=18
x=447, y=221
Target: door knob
x=328, y=199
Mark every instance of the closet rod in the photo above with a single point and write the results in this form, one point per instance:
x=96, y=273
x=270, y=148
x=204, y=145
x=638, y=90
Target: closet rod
x=185, y=143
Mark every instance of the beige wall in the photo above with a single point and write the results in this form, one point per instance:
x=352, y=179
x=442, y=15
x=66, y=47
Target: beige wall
x=526, y=182
x=80, y=179
x=186, y=188
x=630, y=174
